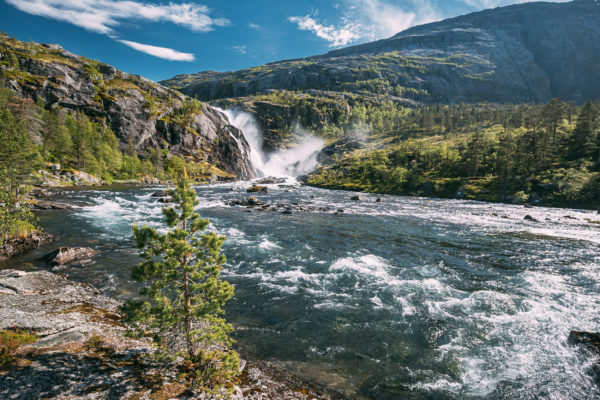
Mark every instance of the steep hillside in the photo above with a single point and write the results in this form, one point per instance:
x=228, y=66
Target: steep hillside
x=522, y=53
x=141, y=113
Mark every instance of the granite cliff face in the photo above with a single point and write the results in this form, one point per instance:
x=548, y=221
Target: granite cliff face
x=139, y=111
x=522, y=53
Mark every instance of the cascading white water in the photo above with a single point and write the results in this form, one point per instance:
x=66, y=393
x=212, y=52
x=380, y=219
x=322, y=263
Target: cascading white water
x=292, y=162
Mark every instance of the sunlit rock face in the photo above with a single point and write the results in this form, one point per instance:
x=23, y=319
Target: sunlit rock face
x=140, y=112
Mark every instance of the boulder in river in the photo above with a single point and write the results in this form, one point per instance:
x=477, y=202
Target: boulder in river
x=359, y=197
x=160, y=193
x=269, y=181
x=530, y=218
x=257, y=189
x=67, y=255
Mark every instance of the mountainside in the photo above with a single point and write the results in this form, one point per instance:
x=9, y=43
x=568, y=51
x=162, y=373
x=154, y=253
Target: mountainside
x=141, y=113
x=517, y=54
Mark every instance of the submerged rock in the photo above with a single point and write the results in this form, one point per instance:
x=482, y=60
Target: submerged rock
x=67, y=255
x=359, y=197
x=530, y=218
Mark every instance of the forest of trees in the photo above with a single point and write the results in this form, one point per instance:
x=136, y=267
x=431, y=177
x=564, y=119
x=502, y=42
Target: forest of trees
x=547, y=154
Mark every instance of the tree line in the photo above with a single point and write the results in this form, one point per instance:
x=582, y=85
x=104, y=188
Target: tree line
x=538, y=153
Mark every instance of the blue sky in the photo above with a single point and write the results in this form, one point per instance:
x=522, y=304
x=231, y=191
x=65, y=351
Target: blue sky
x=161, y=39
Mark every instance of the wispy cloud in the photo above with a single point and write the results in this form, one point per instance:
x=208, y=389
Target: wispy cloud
x=160, y=52
x=336, y=36
x=103, y=16
x=254, y=26
x=369, y=20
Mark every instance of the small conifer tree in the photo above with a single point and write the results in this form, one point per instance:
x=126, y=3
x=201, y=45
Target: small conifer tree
x=181, y=272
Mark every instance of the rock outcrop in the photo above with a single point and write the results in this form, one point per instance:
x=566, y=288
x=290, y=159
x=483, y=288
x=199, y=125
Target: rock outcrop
x=516, y=54
x=82, y=353
x=139, y=111
x=22, y=244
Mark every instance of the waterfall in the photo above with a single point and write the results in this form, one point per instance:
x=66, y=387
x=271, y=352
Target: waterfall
x=291, y=162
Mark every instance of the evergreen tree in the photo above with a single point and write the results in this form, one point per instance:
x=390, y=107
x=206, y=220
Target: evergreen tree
x=181, y=270
x=18, y=160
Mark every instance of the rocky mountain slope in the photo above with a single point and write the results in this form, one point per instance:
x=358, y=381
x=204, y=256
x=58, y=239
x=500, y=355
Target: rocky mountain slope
x=140, y=112
x=517, y=54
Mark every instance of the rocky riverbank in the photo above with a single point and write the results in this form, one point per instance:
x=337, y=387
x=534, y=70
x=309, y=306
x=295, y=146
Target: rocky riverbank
x=81, y=351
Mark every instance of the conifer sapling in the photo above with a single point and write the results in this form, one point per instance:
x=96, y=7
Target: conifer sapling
x=181, y=272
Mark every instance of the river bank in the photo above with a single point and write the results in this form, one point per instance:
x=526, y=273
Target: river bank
x=81, y=350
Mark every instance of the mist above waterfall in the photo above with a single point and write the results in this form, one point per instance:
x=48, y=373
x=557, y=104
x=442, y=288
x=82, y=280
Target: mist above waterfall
x=293, y=162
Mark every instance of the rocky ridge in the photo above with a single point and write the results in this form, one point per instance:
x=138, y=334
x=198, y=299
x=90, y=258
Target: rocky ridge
x=138, y=110
x=517, y=54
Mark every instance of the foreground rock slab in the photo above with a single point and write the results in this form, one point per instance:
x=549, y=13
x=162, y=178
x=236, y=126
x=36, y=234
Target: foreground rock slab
x=82, y=353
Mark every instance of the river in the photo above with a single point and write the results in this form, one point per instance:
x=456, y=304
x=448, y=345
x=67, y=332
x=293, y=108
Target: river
x=406, y=298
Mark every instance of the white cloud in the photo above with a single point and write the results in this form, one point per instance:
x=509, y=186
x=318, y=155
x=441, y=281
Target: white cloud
x=103, y=16
x=335, y=36
x=254, y=26
x=161, y=52
x=369, y=20
x=382, y=18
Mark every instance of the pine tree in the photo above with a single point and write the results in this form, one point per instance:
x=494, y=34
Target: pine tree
x=581, y=143
x=181, y=271
x=18, y=159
